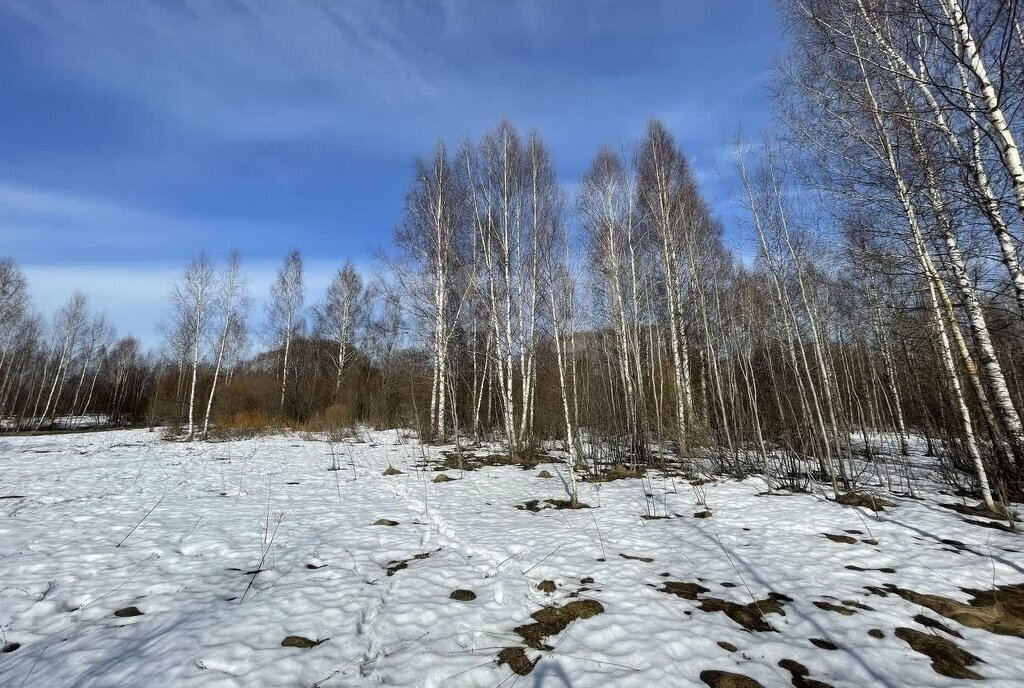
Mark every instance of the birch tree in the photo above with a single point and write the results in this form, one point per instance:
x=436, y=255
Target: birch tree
x=231, y=305
x=284, y=313
x=193, y=297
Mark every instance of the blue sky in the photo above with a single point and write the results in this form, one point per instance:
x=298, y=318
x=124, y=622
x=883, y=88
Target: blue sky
x=136, y=133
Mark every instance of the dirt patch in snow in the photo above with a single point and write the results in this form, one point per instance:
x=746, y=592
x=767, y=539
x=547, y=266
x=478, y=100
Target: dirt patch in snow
x=865, y=500
x=750, y=616
x=635, y=557
x=397, y=565
x=838, y=609
x=615, y=472
x=929, y=622
x=999, y=611
x=463, y=595
x=725, y=679
x=385, y=522
x=391, y=470
x=300, y=641
x=948, y=658
x=844, y=539
x=516, y=660
x=884, y=569
x=473, y=462
x=536, y=505
x=553, y=620
x=128, y=612
x=688, y=591
x=800, y=673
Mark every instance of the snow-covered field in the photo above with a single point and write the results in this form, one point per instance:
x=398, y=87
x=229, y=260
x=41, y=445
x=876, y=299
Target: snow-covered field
x=227, y=549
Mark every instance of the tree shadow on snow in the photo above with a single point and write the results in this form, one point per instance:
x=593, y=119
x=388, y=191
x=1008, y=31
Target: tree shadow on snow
x=554, y=669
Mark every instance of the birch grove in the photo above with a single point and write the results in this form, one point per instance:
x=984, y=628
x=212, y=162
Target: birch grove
x=864, y=304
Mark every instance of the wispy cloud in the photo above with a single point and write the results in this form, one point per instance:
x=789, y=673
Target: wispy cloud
x=43, y=221
x=71, y=220
x=242, y=70
x=137, y=296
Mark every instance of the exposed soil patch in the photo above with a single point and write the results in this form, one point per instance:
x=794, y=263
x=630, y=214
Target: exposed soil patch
x=546, y=586
x=441, y=478
x=845, y=539
x=553, y=620
x=998, y=611
x=725, y=679
x=823, y=644
x=463, y=595
x=799, y=674
x=876, y=633
x=128, y=612
x=948, y=658
x=391, y=470
x=703, y=514
x=635, y=557
x=299, y=641
x=616, y=472
x=751, y=616
x=9, y=647
x=858, y=605
x=516, y=660
x=863, y=499
x=535, y=505
x=473, y=462
x=728, y=647
x=385, y=522
x=397, y=565
x=565, y=504
x=315, y=567
x=838, y=609
x=884, y=569
x=929, y=622
x=544, y=474
x=688, y=591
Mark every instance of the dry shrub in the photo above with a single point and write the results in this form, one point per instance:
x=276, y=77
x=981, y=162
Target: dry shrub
x=246, y=420
x=336, y=421
x=241, y=425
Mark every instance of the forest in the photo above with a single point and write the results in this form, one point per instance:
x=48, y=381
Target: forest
x=884, y=297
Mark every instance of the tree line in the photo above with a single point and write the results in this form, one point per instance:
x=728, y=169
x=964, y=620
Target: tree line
x=69, y=371
x=880, y=304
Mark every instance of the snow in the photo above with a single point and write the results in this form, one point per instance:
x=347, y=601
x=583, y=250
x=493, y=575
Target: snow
x=205, y=514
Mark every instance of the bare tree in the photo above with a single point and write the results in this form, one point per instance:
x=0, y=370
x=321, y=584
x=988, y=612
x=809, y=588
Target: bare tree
x=287, y=295
x=193, y=297
x=232, y=306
